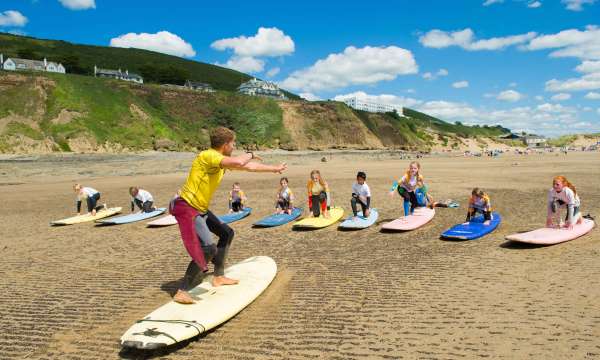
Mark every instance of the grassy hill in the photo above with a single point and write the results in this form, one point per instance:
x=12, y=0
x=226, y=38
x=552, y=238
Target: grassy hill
x=154, y=67
x=41, y=112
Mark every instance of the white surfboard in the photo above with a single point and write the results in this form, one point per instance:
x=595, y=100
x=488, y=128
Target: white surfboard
x=78, y=219
x=163, y=221
x=173, y=322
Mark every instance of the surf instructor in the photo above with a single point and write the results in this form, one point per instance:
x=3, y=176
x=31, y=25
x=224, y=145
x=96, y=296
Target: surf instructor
x=197, y=222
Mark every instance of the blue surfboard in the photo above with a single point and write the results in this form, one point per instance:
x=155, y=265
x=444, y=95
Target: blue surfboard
x=360, y=222
x=126, y=219
x=235, y=216
x=279, y=219
x=474, y=229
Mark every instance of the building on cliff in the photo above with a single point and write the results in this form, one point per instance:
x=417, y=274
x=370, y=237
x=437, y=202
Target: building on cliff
x=359, y=104
x=16, y=64
x=118, y=74
x=198, y=86
x=257, y=87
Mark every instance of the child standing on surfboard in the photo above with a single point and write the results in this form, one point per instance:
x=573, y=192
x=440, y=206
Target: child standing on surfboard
x=563, y=195
x=361, y=194
x=479, y=203
x=91, y=197
x=196, y=222
x=285, y=198
x=142, y=199
x=319, y=198
x=408, y=185
x=237, y=198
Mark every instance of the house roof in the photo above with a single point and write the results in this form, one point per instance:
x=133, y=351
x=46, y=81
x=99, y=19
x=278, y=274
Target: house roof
x=27, y=62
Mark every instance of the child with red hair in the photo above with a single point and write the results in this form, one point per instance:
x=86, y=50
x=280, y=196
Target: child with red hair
x=563, y=195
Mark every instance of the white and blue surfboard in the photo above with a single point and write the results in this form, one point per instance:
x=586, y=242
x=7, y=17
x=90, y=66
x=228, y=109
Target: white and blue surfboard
x=131, y=218
x=474, y=229
x=279, y=219
x=235, y=216
x=360, y=222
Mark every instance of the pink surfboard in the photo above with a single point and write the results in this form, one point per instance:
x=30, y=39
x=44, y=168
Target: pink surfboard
x=420, y=217
x=163, y=221
x=549, y=236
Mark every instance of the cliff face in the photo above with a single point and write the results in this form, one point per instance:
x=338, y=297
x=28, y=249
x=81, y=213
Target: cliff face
x=51, y=112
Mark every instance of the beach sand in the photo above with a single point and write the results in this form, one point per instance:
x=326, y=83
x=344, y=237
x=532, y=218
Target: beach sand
x=70, y=292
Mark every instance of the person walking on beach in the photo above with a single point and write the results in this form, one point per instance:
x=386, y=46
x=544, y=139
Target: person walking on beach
x=197, y=222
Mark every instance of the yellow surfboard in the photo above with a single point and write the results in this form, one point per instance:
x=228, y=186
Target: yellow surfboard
x=335, y=214
x=88, y=217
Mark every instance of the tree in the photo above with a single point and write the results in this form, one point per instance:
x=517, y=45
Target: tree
x=27, y=53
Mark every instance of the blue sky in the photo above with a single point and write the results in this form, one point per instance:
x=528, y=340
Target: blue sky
x=525, y=64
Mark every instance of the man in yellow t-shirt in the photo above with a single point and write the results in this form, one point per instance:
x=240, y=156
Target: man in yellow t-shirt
x=197, y=222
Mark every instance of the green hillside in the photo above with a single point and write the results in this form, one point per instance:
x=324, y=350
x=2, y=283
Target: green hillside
x=424, y=120
x=154, y=67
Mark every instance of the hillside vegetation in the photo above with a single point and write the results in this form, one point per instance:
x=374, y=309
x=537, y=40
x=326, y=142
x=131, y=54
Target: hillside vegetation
x=42, y=112
x=154, y=67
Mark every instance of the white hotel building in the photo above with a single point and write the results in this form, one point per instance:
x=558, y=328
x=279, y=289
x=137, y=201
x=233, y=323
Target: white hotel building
x=369, y=106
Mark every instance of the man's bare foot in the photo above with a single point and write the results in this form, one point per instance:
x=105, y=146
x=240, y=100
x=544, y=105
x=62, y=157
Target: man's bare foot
x=183, y=297
x=223, y=280
x=94, y=212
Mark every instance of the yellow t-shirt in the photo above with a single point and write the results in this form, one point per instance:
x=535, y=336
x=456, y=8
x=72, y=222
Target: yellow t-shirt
x=204, y=178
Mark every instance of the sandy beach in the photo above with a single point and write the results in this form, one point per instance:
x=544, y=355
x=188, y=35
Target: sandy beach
x=70, y=292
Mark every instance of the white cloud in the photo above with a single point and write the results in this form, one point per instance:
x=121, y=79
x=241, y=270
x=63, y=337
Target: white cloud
x=513, y=84
x=448, y=110
x=354, y=66
x=388, y=99
x=460, y=84
x=539, y=98
x=411, y=91
x=163, y=42
x=588, y=67
x=509, y=95
x=598, y=111
x=576, y=5
x=570, y=43
x=431, y=76
x=561, y=97
x=12, y=18
x=267, y=42
x=491, y=2
x=592, y=96
x=274, y=71
x=489, y=95
x=309, y=96
x=534, y=4
x=245, y=64
x=465, y=39
x=78, y=4
x=586, y=82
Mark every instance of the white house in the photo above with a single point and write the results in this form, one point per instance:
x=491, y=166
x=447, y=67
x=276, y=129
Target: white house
x=198, y=86
x=257, y=87
x=534, y=140
x=14, y=64
x=369, y=106
x=118, y=74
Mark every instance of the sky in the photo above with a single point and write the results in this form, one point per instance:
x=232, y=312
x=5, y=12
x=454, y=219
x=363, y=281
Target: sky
x=529, y=65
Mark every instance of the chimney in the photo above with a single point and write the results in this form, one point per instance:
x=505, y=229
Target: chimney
x=126, y=72
x=1, y=60
x=95, y=70
x=45, y=63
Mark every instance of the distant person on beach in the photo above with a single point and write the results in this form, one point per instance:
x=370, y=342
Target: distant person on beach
x=361, y=195
x=91, y=197
x=285, y=198
x=196, y=222
x=411, y=182
x=563, y=195
x=479, y=203
x=319, y=197
x=142, y=199
x=237, y=198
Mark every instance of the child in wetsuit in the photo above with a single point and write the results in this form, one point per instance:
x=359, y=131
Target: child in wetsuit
x=237, y=198
x=319, y=198
x=285, y=198
x=90, y=195
x=479, y=203
x=407, y=187
x=563, y=195
x=361, y=194
x=142, y=198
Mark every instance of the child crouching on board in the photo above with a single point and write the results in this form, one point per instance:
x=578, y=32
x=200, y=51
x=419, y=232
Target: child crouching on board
x=142, y=199
x=319, y=198
x=90, y=195
x=479, y=203
x=563, y=195
x=237, y=198
x=285, y=198
x=361, y=194
x=407, y=187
